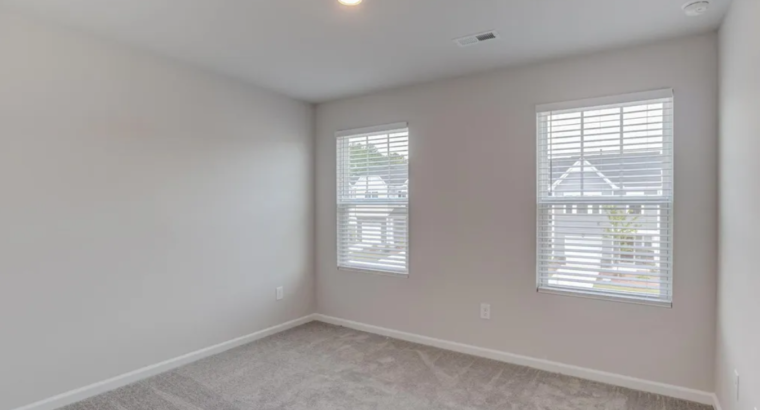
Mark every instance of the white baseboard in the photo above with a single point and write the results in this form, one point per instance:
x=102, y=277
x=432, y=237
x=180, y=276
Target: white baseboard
x=716, y=402
x=95, y=389
x=554, y=367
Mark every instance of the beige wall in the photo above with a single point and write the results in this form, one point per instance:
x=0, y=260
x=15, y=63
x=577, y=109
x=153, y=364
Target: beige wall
x=473, y=216
x=148, y=210
x=738, y=342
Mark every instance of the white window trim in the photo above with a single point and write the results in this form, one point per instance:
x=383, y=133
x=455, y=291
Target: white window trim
x=366, y=131
x=590, y=103
x=377, y=129
x=607, y=100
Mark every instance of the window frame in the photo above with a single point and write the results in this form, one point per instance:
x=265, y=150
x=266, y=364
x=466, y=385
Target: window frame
x=665, y=300
x=405, y=199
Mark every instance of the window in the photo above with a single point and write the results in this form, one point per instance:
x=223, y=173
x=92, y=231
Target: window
x=373, y=199
x=613, y=156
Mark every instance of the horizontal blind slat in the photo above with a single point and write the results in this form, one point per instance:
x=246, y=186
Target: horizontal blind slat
x=606, y=282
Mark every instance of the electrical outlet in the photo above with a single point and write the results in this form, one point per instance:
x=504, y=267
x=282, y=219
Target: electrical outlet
x=280, y=293
x=736, y=384
x=485, y=311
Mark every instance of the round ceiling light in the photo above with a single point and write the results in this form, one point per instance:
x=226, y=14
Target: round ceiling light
x=350, y=2
x=696, y=8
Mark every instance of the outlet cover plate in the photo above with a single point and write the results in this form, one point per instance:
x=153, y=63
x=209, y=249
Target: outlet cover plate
x=485, y=311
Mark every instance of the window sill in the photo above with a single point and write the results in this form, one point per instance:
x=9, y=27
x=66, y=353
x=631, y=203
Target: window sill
x=375, y=272
x=609, y=298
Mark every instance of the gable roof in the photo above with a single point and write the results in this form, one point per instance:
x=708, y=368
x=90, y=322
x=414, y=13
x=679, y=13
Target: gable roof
x=631, y=170
x=394, y=175
x=586, y=167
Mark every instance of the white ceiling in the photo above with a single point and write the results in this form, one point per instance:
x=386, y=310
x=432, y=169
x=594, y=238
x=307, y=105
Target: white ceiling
x=317, y=50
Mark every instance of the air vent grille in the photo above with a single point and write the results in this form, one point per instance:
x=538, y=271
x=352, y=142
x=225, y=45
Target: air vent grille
x=471, y=40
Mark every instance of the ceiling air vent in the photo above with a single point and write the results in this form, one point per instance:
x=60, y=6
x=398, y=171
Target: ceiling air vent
x=476, y=38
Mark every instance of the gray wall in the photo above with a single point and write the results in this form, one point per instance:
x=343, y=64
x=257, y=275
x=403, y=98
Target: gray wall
x=473, y=209
x=738, y=342
x=148, y=210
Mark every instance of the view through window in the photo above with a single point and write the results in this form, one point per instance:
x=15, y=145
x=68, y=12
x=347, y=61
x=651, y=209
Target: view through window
x=605, y=196
x=373, y=199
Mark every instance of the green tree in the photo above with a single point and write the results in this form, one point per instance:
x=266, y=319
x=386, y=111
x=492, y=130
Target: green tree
x=365, y=159
x=622, y=229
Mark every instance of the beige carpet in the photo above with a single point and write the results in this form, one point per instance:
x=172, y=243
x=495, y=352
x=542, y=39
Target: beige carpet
x=318, y=366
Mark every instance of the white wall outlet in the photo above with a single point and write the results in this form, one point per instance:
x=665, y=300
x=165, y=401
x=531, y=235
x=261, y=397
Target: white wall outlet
x=280, y=293
x=485, y=311
x=736, y=384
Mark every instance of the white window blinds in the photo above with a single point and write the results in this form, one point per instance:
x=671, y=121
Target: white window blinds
x=605, y=197
x=373, y=199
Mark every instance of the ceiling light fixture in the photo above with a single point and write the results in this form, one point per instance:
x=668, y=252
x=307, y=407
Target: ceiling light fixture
x=350, y=2
x=696, y=8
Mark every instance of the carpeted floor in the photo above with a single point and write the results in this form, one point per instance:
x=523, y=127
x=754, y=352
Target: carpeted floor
x=323, y=367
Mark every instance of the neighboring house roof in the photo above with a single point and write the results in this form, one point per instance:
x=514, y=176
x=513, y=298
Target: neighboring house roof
x=394, y=175
x=629, y=171
x=370, y=183
x=583, y=166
